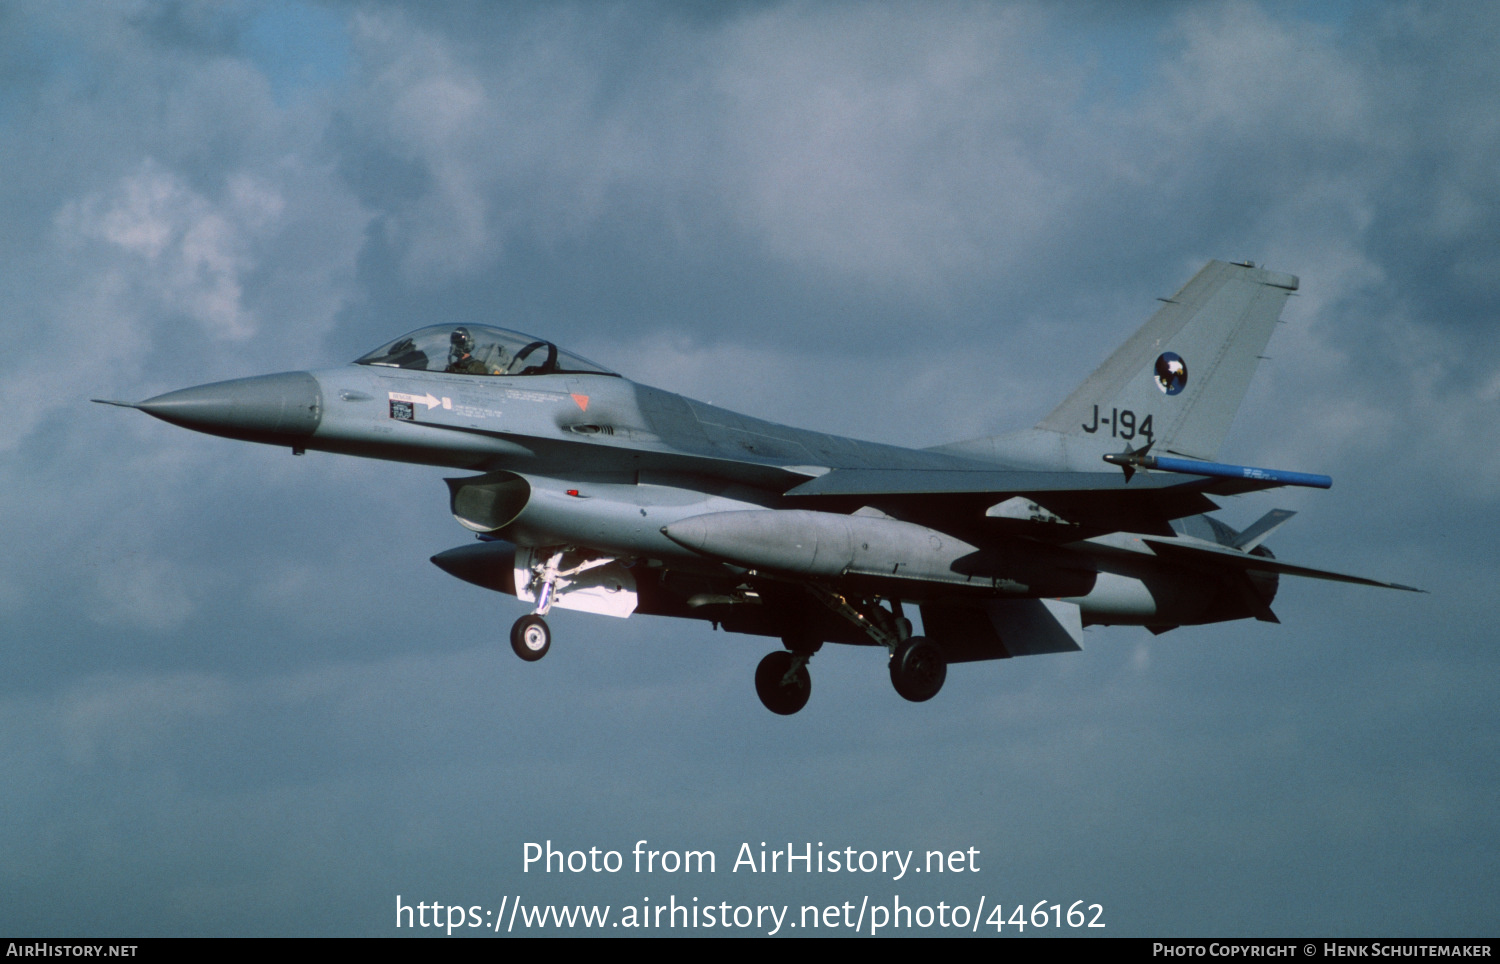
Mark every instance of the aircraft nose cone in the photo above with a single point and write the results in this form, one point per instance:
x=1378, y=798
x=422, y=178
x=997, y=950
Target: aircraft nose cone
x=268, y=408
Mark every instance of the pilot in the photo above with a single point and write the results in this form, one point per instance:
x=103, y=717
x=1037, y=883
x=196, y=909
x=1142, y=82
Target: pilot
x=461, y=359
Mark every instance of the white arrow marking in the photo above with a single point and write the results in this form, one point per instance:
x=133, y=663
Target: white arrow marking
x=429, y=400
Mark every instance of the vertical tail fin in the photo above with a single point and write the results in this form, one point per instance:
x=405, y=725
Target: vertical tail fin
x=1179, y=380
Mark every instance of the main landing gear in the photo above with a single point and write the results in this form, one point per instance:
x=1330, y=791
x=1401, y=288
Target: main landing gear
x=783, y=683
x=918, y=669
x=917, y=665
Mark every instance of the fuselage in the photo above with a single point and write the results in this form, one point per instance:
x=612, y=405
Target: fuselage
x=613, y=465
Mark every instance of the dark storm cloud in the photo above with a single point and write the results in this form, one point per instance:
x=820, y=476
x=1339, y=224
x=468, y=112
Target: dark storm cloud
x=238, y=698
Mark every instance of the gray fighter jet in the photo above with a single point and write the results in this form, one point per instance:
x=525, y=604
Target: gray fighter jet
x=594, y=493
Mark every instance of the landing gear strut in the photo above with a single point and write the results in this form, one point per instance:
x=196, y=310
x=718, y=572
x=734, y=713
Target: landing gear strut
x=530, y=636
x=918, y=666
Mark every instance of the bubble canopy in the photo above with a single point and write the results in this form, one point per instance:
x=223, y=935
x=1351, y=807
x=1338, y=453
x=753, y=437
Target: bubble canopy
x=478, y=350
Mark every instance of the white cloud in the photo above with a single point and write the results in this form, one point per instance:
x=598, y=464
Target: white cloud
x=189, y=252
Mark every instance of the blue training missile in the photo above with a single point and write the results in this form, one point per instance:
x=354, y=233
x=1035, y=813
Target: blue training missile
x=1130, y=461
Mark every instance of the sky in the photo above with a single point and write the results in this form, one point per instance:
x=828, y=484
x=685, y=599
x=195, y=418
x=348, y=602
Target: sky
x=236, y=698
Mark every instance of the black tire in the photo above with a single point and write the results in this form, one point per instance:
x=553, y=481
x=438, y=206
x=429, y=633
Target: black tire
x=530, y=637
x=918, y=669
x=781, y=697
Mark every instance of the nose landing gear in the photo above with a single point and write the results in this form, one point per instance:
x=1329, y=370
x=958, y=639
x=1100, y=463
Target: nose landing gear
x=596, y=583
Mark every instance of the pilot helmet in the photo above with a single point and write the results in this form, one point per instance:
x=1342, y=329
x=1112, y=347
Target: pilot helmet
x=461, y=341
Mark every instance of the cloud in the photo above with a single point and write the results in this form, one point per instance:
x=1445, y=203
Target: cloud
x=187, y=252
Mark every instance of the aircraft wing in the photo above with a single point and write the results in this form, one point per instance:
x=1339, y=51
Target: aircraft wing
x=1104, y=500
x=1008, y=482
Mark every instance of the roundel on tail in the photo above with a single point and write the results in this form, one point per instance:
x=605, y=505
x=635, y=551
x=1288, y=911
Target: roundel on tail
x=1171, y=372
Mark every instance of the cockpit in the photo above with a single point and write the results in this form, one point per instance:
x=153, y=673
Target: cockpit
x=478, y=350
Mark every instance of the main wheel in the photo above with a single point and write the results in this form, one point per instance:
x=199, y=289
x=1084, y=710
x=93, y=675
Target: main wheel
x=530, y=638
x=918, y=669
x=781, y=695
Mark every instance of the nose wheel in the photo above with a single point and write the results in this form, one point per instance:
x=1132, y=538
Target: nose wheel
x=530, y=637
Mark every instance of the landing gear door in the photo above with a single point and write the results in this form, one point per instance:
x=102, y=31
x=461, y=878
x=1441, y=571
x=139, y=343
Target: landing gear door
x=587, y=584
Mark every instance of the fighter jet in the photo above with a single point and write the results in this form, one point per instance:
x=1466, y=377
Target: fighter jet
x=591, y=492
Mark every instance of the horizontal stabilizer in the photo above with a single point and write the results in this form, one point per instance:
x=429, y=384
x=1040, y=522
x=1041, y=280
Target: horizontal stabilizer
x=1205, y=554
